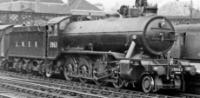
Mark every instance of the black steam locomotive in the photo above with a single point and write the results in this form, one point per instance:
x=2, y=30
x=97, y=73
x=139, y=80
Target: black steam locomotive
x=121, y=51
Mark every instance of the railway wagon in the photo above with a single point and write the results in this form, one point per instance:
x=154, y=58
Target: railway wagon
x=116, y=50
x=4, y=39
x=187, y=46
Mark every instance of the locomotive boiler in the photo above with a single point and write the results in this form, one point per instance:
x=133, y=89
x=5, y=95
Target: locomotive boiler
x=121, y=51
x=154, y=34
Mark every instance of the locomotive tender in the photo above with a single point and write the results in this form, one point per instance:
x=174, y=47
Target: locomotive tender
x=116, y=50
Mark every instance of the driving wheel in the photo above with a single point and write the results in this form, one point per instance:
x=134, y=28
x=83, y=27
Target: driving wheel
x=69, y=68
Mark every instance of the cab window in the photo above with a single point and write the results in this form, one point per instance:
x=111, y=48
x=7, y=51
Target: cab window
x=55, y=30
x=52, y=30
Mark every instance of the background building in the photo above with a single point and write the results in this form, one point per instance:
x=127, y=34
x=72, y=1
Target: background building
x=180, y=12
x=37, y=12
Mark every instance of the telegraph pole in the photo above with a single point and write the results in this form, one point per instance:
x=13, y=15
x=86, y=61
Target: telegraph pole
x=191, y=9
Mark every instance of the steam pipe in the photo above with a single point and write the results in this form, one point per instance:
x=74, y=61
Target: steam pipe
x=130, y=50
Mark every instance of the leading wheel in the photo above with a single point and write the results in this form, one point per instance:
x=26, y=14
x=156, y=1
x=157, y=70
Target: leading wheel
x=147, y=84
x=119, y=83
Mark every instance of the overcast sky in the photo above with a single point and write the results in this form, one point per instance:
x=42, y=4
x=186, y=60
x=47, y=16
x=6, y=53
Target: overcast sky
x=110, y=4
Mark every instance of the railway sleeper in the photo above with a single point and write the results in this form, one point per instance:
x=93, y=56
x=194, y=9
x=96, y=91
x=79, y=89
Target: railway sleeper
x=129, y=93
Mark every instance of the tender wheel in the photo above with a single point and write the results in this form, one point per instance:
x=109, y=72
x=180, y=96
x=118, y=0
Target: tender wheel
x=69, y=68
x=24, y=65
x=41, y=69
x=147, y=84
x=48, y=73
x=49, y=70
x=20, y=65
x=5, y=64
x=16, y=65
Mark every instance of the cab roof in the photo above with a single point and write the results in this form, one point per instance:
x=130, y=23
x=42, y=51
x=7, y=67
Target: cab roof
x=57, y=19
x=3, y=27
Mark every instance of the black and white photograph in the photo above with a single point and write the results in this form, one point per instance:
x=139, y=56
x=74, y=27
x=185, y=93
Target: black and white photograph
x=99, y=48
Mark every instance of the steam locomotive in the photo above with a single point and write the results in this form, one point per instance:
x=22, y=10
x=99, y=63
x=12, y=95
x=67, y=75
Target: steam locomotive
x=121, y=51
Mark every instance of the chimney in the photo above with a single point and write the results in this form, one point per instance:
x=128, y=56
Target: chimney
x=37, y=2
x=67, y=2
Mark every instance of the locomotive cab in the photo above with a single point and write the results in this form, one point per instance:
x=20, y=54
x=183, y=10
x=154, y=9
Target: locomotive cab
x=54, y=28
x=56, y=25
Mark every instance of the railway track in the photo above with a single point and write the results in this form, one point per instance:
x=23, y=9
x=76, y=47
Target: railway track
x=40, y=89
x=187, y=95
x=5, y=93
x=56, y=88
